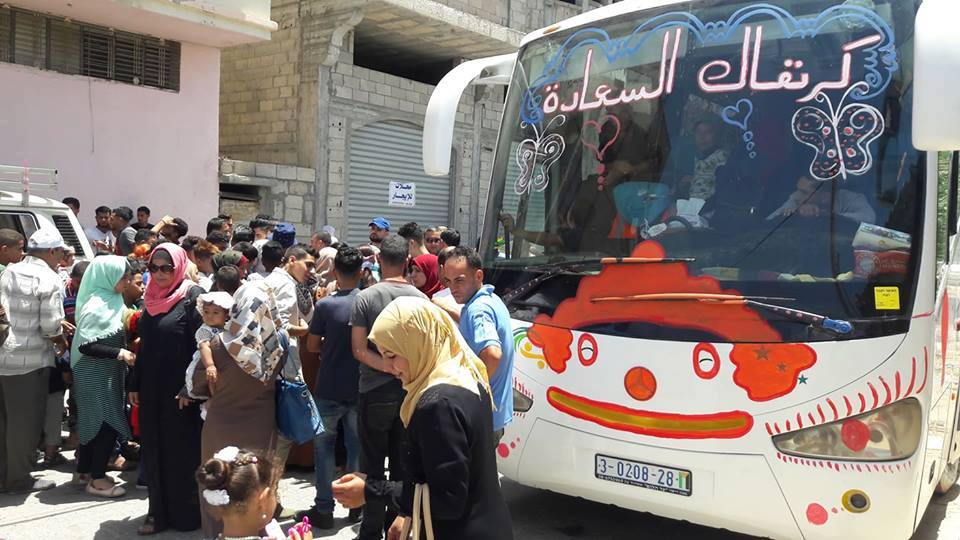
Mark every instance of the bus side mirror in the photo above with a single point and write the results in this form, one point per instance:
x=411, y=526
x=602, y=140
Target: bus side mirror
x=442, y=108
x=936, y=77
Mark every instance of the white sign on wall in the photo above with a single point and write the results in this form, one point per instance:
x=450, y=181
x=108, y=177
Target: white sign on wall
x=403, y=194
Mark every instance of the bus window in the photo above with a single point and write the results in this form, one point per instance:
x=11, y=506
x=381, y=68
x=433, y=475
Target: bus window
x=778, y=163
x=946, y=208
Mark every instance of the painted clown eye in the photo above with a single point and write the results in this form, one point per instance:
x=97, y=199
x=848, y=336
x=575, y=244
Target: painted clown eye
x=706, y=361
x=587, y=349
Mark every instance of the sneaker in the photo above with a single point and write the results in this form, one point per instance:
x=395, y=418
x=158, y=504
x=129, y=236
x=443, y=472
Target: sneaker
x=42, y=485
x=33, y=484
x=355, y=516
x=320, y=520
x=283, y=514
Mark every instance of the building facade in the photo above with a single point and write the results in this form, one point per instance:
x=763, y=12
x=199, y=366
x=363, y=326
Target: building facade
x=121, y=97
x=342, y=89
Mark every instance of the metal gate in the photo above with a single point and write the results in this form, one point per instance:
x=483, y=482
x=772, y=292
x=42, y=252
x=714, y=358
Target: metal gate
x=386, y=152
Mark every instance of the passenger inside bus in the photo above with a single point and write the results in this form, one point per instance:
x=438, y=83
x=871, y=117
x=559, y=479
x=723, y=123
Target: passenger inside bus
x=698, y=173
x=813, y=199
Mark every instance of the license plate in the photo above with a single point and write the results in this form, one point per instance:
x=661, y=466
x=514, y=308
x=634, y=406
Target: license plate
x=647, y=475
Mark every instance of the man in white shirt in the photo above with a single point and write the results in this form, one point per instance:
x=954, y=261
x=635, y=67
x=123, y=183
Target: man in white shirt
x=322, y=243
x=813, y=199
x=32, y=295
x=101, y=236
x=297, y=266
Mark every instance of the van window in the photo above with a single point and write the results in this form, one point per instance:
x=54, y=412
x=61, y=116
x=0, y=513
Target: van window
x=23, y=223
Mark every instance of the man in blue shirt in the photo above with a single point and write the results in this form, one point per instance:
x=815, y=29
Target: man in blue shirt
x=485, y=324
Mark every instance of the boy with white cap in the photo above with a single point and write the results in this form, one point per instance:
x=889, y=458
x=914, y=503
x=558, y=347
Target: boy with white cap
x=32, y=295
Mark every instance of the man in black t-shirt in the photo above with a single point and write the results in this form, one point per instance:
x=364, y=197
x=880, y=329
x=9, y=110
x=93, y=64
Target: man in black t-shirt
x=381, y=431
x=337, y=383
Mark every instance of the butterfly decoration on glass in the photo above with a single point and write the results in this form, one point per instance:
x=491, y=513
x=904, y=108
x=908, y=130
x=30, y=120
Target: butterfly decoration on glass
x=536, y=155
x=840, y=136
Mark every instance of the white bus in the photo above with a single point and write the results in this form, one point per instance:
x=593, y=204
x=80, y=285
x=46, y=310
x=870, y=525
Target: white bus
x=724, y=231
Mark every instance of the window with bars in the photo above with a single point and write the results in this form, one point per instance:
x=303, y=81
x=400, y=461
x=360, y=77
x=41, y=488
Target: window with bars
x=45, y=42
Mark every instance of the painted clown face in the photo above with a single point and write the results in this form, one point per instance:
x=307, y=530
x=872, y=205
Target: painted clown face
x=646, y=384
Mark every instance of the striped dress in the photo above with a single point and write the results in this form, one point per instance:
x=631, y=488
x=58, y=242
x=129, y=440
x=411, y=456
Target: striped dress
x=100, y=386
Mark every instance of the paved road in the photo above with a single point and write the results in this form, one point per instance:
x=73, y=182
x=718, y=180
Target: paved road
x=538, y=515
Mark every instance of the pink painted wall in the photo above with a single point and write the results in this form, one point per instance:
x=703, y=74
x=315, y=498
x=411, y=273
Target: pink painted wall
x=118, y=144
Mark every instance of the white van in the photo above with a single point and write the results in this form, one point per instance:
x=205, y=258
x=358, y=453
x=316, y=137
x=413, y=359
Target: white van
x=26, y=213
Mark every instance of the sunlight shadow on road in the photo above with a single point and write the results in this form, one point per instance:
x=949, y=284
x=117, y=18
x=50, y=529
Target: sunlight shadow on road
x=936, y=524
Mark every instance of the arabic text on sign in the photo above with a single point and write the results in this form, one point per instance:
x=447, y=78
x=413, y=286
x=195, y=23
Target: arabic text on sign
x=709, y=76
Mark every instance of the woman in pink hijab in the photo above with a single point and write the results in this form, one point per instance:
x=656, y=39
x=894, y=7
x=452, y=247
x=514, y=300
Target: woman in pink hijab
x=170, y=435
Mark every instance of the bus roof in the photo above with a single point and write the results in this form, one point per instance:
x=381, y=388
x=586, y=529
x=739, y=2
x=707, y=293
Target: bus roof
x=605, y=12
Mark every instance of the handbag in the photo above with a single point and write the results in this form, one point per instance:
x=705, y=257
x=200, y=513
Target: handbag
x=421, y=513
x=298, y=418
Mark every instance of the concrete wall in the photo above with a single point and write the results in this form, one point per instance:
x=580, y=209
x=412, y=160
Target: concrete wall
x=362, y=96
x=270, y=92
x=285, y=192
x=260, y=93
x=523, y=15
x=119, y=144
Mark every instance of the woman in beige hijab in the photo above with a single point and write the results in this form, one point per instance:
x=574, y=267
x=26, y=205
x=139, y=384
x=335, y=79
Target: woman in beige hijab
x=449, y=420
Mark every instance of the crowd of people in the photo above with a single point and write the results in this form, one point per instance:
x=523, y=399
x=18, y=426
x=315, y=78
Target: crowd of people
x=166, y=348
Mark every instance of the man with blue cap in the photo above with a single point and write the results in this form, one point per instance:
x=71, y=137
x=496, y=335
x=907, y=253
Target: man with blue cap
x=379, y=229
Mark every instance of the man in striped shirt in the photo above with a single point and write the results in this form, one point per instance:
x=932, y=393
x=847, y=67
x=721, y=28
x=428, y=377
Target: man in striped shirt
x=32, y=295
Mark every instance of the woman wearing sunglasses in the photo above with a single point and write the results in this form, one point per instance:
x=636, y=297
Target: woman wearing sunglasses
x=170, y=434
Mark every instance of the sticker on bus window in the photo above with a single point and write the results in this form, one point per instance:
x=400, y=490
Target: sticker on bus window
x=886, y=297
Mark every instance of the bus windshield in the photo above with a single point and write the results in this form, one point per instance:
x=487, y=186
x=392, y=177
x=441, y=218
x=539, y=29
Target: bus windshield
x=766, y=144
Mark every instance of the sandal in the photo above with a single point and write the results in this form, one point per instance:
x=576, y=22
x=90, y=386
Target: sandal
x=149, y=527
x=111, y=492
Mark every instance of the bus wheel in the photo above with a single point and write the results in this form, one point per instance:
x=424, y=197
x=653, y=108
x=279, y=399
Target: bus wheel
x=948, y=478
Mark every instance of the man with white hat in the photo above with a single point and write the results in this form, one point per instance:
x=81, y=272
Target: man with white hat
x=31, y=293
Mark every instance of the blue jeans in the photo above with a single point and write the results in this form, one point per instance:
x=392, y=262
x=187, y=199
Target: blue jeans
x=324, y=448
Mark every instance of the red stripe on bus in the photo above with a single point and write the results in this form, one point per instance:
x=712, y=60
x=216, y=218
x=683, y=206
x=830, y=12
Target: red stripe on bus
x=836, y=414
x=926, y=369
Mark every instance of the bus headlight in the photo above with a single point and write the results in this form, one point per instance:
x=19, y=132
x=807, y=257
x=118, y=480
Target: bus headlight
x=521, y=403
x=886, y=434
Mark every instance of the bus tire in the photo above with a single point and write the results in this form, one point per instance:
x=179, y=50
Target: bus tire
x=948, y=478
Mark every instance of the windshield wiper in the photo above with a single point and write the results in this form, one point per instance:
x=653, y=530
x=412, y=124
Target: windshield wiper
x=838, y=326
x=557, y=267
x=567, y=264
